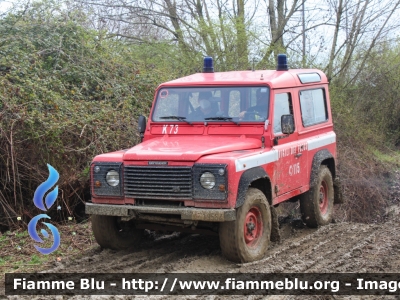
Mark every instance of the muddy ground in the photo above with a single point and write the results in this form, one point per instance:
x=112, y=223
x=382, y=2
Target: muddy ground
x=342, y=247
x=338, y=247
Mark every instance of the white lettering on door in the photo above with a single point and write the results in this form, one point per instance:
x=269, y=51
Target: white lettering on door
x=294, y=169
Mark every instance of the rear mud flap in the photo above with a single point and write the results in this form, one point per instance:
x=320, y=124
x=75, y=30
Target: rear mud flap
x=275, y=235
x=337, y=189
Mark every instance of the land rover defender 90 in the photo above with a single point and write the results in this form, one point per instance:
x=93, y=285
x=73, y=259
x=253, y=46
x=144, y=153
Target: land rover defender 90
x=219, y=151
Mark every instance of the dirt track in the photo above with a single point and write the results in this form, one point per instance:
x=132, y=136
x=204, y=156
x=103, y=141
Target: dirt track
x=336, y=248
x=342, y=247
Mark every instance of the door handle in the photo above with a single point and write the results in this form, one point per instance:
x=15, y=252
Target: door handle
x=298, y=155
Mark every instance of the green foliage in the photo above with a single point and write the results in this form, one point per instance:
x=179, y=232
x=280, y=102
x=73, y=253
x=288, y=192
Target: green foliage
x=379, y=87
x=35, y=259
x=389, y=157
x=68, y=94
x=22, y=234
x=4, y=260
x=366, y=114
x=367, y=108
x=165, y=59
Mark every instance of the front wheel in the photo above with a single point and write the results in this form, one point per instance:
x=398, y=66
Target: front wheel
x=247, y=238
x=316, y=205
x=111, y=232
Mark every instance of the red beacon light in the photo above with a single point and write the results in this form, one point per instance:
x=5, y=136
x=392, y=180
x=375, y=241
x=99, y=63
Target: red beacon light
x=208, y=66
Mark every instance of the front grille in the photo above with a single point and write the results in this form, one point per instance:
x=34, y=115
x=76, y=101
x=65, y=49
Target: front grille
x=148, y=182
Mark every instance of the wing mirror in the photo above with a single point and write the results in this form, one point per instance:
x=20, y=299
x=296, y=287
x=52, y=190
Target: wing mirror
x=142, y=126
x=287, y=124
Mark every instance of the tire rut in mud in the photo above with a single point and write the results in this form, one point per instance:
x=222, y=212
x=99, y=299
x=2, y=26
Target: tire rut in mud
x=343, y=247
x=336, y=248
x=167, y=253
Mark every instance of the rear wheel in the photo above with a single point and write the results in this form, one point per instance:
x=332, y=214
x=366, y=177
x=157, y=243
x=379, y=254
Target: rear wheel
x=111, y=232
x=317, y=204
x=247, y=238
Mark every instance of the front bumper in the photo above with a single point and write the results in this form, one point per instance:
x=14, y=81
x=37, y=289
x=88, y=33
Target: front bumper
x=186, y=213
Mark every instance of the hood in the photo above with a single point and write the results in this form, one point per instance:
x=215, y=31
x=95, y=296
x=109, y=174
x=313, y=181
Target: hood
x=178, y=148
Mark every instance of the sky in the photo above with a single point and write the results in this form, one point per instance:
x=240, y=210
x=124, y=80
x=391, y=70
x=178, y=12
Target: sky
x=4, y=5
x=318, y=40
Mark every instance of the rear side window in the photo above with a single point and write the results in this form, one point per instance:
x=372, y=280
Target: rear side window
x=313, y=107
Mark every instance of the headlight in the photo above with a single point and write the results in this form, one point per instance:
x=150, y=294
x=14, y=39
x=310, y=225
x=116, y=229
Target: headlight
x=106, y=179
x=207, y=180
x=112, y=178
x=210, y=182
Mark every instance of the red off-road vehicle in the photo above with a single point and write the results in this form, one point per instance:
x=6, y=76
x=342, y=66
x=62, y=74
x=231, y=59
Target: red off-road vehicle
x=218, y=153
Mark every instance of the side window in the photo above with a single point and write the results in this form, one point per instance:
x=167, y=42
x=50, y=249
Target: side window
x=313, y=107
x=282, y=106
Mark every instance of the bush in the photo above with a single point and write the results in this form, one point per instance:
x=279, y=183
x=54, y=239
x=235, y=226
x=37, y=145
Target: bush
x=366, y=113
x=68, y=94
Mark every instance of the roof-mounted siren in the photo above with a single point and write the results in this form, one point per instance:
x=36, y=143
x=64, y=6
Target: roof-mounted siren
x=208, y=66
x=282, y=63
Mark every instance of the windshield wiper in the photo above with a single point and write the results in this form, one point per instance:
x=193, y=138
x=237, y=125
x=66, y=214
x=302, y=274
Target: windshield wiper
x=222, y=119
x=176, y=118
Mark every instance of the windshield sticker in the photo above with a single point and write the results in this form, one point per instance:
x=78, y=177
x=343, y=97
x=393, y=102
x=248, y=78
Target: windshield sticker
x=163, y=94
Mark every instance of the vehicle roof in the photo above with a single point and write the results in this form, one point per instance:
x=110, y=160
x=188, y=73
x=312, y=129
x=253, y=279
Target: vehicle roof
x=275, y=79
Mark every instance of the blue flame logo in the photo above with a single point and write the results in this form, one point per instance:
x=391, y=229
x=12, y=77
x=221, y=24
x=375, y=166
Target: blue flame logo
x=49, y=201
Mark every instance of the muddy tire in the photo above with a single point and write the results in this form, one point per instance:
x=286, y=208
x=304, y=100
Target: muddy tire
x=316, y=205
x=247, y=238
x=110, y=232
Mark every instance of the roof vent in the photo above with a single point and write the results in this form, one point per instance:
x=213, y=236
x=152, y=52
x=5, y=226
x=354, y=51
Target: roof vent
x=282, y=63
x=208, y=66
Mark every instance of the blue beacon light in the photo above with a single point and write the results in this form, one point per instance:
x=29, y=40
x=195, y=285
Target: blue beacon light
x=208, y=66
x=282, y=63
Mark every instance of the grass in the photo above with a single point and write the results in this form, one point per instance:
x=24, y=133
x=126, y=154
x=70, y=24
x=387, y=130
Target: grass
x=4, y=260
x=35, y=259
x=390, y=157
x=22, y=234
x=18, y=254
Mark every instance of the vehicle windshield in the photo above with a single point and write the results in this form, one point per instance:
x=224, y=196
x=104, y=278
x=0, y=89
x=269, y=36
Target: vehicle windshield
x=217, y=104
